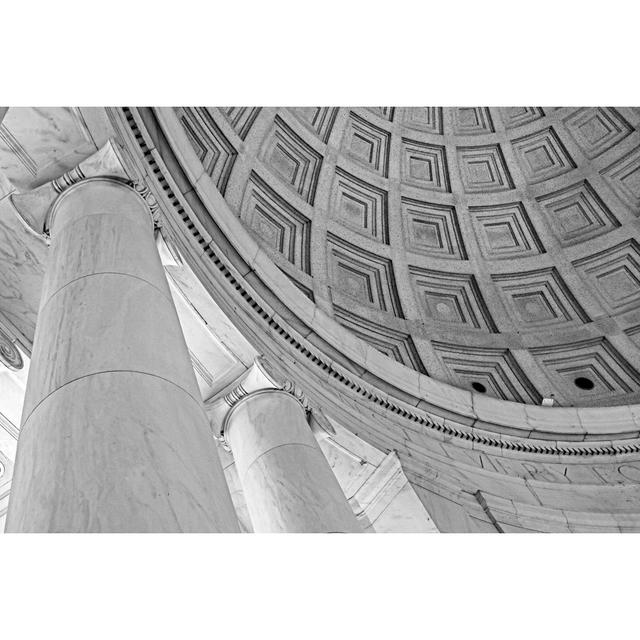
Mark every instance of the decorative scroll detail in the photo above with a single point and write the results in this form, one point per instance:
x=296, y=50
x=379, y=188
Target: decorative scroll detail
x=9, y=354
x=154, y=206
x=67, y=179
x=235, y=395
x=297, y=393
x=76, y=175
x=239, y=392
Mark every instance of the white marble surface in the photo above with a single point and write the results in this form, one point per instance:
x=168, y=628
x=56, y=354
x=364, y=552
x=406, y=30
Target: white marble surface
x=6, y=472
x=376, y=486
x=22, y=258
x=221, y=326
x=235, y=488
x=287, y=482
x=215, y=366
x=404, y=514
x=113, y=421
x=131, y=457
x=12, y=388
x=38, y=144
x=137, y=340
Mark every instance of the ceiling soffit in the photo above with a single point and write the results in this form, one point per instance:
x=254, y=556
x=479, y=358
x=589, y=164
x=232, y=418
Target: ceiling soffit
x=312, y=345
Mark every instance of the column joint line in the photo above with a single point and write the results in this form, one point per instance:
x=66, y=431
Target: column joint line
x=98, y=373
x=102, y=273
x=278, y=446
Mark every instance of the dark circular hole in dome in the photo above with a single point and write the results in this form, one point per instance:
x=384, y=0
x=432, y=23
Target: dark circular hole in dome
x=584, y=383
x=479, y=387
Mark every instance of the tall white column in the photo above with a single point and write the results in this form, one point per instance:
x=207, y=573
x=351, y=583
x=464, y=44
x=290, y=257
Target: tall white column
x=287, y=482
x=114, y=436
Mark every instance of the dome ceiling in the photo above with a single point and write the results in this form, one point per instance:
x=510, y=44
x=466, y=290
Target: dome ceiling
x=495, y=249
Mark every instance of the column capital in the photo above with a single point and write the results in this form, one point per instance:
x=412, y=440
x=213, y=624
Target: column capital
x=257, y=379
x=34, y=207
x=288, y=483
x=143, y=190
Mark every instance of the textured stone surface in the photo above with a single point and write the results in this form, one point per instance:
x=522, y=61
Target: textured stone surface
x=523, y=220
x=536, y=241
x=287, y=483
x=114, y=436
x=458, y=448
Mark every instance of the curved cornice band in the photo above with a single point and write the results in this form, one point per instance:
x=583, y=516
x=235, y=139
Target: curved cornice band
x=292, y=324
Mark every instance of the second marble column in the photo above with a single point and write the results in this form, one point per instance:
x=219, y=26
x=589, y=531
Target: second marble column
x=287, y=482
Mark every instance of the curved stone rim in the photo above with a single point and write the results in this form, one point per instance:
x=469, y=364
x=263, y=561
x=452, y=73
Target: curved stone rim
x=224, y=430
x=82, y=184
x=424, y=395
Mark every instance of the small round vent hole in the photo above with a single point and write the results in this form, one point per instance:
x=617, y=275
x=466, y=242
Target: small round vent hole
x=479, y=387
x=584, y=383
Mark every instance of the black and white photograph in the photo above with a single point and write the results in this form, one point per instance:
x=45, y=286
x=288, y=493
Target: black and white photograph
x=230, y=321
x=320, y=319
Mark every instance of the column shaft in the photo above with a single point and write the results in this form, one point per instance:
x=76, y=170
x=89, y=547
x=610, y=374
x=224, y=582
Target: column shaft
x=114, y=437
x=287, y=482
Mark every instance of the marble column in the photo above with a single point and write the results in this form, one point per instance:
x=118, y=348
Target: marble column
x=114, y=436
x=286, y=480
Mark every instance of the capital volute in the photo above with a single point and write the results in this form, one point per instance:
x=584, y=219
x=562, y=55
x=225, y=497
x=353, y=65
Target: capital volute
x=256, y=380
x=152, y=203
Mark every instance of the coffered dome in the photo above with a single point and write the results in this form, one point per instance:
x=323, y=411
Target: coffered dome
x=494, y=249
